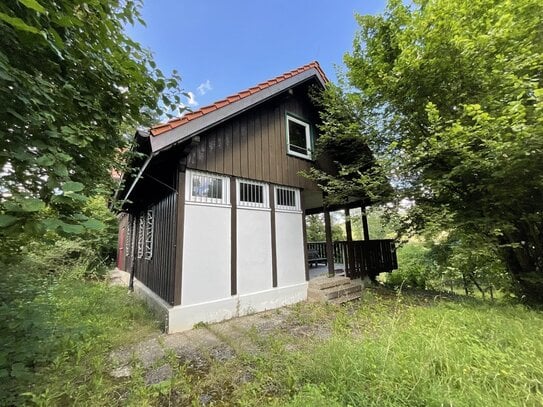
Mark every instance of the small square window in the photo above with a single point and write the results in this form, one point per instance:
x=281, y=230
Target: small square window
x=287, y=199
x=206, y=188
x=253, y=194
x=298, y=137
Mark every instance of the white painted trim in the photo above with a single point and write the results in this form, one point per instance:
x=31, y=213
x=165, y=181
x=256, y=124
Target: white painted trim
x=308, y=143
x=253, y=205
x=250, y=208
x=202, y=123
x=184, y=317
x=284, y=208
x=225, y=189
x=208, y=204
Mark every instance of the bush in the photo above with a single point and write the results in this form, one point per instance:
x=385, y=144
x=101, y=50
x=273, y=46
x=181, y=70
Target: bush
x=414, y=268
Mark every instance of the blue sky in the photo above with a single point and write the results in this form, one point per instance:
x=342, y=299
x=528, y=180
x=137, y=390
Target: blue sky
x=220, y=47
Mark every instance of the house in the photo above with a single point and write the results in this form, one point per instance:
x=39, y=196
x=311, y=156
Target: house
x=213, y=222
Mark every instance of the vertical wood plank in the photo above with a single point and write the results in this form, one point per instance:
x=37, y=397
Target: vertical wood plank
x=201, y=155
x=233, y=237
x=266, y=151
x=257, y=137
x=220, y=150
x=329, y=243
x=243, y=148
x=278, y=144
x=180, y=232
x=251, y=154
x=273, y=236
x=210, y=141
x=228, y=149
x=236, y=148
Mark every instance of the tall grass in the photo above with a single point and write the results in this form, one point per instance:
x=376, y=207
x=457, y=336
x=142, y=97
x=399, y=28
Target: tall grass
x=55, y=332
x=449, y=354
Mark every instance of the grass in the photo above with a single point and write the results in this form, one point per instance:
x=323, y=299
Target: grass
x=56, y=332
x=386, y=350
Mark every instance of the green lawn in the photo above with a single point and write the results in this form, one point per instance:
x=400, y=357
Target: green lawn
x=386, y=350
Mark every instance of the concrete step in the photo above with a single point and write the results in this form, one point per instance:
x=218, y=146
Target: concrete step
x=324, y=282
x=346, y=298
x=334, y=292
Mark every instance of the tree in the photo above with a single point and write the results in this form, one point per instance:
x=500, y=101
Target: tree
x=71, y=82
x=454, y=93
x=346, y=166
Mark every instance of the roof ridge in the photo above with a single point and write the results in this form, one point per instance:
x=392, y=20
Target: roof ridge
x=178, y=121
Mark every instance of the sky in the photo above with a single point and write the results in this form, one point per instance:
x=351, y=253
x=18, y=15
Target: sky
x=220, y=47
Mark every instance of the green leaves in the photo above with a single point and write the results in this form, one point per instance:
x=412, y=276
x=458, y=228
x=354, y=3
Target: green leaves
x=63, y=120
x=71, y=186
x=33, y=4
x=19, y=24
x=450, y=91
x=7, y=220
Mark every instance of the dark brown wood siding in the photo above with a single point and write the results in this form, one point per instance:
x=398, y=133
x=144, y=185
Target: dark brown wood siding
x=158, y=272
x=253, y=144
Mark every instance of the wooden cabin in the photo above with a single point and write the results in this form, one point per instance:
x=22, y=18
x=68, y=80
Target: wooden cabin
x=213, y=223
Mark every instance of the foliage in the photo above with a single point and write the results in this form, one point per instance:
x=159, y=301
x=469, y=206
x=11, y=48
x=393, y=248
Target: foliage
x=415, y=268
x=315, y=228
x=55, y=329
x=346, y=166
x=71, y=83
x=378, y=224
x=453, y=92
x=385, y=350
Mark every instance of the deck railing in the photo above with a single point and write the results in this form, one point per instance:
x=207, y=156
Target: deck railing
x=361, y=257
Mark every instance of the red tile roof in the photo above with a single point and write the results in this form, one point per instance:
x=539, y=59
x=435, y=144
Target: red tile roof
x=173, y=123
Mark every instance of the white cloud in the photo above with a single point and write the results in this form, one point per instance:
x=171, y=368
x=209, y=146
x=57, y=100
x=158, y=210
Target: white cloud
x=191, y=100
x=204, y=87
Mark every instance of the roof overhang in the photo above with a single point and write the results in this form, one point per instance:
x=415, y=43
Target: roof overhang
x=202, y=123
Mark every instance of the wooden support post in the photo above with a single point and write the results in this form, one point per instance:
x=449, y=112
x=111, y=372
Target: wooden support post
x=273, y=237
x=329, y=243
x=233, y=237
x=365, y=223
x=304, y=234
x=349, y=258
x=179, y=235
x=348, y=229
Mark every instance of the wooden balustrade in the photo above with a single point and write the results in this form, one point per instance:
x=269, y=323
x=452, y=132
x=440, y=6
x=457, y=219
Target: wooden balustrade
x=361, y=257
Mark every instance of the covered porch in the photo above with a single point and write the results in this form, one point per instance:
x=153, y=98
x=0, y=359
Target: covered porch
x=364, y=258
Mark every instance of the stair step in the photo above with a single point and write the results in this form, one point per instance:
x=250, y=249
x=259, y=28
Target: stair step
x=322, y=283
x=334, y=292
x=346, y=298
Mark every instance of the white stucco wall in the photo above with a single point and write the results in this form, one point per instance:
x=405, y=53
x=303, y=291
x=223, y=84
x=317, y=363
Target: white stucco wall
x=254, y=265
x=206, y=254
x=290, y=248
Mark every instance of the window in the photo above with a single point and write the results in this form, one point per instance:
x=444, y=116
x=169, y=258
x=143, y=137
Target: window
x=287, y=199
x=252, y=194
x=207, y=188
x=141, y=232
x=149, y=234
x=298, y=137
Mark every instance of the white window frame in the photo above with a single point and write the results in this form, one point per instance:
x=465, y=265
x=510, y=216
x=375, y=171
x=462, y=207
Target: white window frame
x=149, y=234
x=308, y=140
x=265, y=204
x=190, y=197
x=296, y=208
